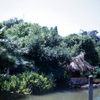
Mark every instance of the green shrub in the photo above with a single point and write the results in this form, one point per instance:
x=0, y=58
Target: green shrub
x=38, y=84
x=26, y=83
x=12, y=84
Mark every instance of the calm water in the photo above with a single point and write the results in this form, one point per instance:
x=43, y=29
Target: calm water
x=66, y=95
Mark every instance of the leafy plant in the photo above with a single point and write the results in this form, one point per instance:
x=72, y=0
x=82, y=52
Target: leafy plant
x=26, y=83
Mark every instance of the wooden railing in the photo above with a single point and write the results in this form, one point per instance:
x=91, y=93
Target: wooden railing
x=78, y=81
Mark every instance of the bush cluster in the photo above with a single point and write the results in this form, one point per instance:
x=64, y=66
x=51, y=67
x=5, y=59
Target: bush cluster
x=26, y=83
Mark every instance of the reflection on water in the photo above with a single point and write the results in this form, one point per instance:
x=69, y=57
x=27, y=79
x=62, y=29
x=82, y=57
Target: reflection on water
x=96, y=94
x=66, y=95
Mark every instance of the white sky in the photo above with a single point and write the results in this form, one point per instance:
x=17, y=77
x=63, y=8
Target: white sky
x=68, y=15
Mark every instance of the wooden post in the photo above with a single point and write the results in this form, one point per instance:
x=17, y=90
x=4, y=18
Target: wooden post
x=90, y=93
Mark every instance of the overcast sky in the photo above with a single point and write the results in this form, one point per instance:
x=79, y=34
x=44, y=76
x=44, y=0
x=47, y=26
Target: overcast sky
x=68, y=15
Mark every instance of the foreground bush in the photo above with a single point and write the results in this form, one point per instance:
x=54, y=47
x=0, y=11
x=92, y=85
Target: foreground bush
x=38, y=84
x=26, y=83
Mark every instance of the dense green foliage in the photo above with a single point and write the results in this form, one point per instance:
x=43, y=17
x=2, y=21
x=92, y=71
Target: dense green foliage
x=31, y=43
x=26, y=83
x=24, y=46
x=11, y=22
x=85, y=44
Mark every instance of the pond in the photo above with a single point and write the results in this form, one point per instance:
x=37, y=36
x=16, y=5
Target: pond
x=71, y=94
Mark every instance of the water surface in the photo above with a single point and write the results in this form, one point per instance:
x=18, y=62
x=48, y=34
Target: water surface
x=73, y=94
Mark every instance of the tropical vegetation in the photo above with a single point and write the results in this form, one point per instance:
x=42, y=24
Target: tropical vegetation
x=25, y=46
